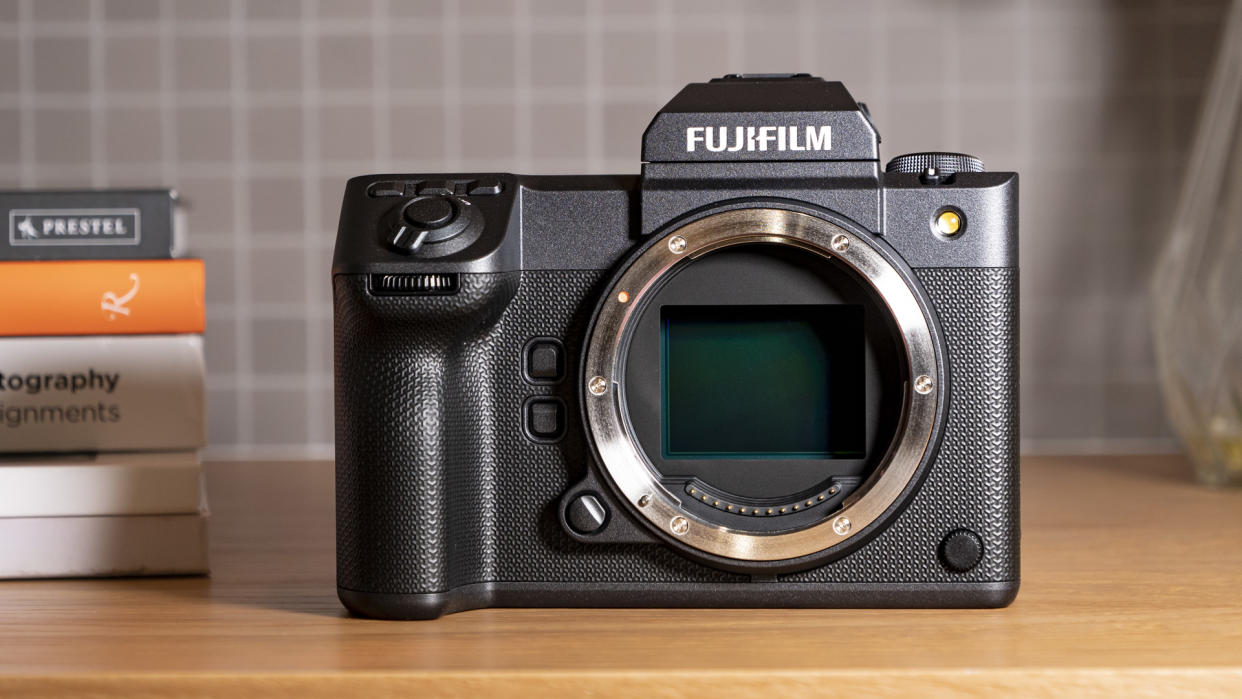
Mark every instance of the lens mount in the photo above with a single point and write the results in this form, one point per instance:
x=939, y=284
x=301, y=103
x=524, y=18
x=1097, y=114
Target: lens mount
x=608, y=421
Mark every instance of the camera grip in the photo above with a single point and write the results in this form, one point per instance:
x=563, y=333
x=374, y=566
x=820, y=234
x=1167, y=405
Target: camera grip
x=411, y=399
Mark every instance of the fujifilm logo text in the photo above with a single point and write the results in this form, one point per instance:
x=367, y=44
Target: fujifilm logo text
x=725, y=139
x=74, y=227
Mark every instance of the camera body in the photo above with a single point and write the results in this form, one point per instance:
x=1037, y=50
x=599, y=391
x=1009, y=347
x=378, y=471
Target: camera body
x=766, y=372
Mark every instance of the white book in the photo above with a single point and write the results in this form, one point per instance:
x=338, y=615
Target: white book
x=72, y=547
x=117, y=483
x=101, y=393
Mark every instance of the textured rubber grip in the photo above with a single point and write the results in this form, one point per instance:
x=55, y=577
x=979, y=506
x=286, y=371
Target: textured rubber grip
x=412, y=439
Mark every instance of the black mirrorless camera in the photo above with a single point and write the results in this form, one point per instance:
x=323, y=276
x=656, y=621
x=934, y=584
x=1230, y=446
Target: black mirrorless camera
x=765, y=372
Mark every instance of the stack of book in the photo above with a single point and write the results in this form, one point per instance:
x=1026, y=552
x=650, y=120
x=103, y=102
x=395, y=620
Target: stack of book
x=101, y=387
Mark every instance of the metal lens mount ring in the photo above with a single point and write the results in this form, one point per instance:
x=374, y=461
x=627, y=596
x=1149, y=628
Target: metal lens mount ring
x=625, y=461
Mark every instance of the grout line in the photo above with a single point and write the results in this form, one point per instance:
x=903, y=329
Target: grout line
x=950, y=103
x=1025, y=128
x=240, y=113
x=523, y=118
x=714, y=21
x=1117, y=445
x=169, y=171
x=278, y=28
x=1102, y=166
x=27, y=125
x=594, y=94
x=451, y=49
x=879, y=64
x=98, y=97
x=315, y=451
x=299, y=381
x=269, y=312
x=382, y=38
x=312, y=270
x=666, y=22
x=1169, y=121
x=1051, y=166
x=808, y=47
x=562, y=95
x=735, y=44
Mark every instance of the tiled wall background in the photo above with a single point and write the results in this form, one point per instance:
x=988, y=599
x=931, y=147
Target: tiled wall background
x=258, y=111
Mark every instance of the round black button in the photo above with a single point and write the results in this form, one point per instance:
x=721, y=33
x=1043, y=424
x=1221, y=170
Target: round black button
x=586, y=514
x=961, y=550
x=430, y=212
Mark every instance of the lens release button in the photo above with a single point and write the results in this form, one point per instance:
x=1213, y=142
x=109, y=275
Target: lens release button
x=430, y=212
x=586, y=514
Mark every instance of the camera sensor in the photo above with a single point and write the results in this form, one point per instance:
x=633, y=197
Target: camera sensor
x=763, y=382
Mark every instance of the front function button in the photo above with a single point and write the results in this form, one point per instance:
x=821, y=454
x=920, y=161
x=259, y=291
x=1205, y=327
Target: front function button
x=486, y=186
x=545, y=419
x=545, y=361
x=429, y=212
x=961, y=550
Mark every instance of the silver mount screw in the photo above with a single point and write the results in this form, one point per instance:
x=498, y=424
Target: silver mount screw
x=598, y=385
x=840, y=243
x=679, y=525
x=842, y=525
x=924, y=384
x=677, y=245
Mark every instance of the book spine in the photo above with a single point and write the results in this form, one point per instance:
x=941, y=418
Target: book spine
x=101, y=297
x=145, y=487
x=56, y=547
x=89, y=225
x=61, y=394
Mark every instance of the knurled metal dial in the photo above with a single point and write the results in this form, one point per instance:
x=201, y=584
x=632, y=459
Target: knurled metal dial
x=945, y=163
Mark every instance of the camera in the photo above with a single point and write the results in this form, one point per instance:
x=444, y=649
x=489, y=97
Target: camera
x=766, y=372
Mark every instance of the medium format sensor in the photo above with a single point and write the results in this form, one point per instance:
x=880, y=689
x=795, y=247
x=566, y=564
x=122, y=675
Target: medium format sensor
x=763, y=382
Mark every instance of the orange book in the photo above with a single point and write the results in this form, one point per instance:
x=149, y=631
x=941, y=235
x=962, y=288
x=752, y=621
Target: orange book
x=101, y=297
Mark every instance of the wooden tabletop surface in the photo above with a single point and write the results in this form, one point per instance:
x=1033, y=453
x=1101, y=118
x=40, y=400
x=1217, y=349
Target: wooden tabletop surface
x=1132, y=583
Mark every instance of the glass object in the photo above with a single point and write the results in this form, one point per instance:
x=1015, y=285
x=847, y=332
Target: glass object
x=1197, y=286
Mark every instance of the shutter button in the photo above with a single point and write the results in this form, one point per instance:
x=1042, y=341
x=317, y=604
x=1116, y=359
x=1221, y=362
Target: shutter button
x=430, y=212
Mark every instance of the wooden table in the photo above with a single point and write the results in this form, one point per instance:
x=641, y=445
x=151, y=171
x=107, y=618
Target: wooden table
x=1132, y=583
